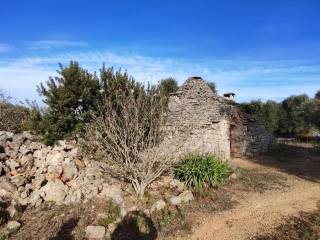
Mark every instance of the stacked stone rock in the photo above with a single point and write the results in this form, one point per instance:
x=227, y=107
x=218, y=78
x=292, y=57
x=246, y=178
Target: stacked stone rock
x=207, y=123
x=31, y=173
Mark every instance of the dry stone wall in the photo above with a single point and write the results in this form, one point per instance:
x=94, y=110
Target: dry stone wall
x=207, y=123
x=32, y=173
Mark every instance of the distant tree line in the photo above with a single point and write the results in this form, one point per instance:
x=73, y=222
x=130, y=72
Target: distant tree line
x=295, y=116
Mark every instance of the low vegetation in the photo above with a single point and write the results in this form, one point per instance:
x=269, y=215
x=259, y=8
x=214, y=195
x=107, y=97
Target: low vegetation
x=111, y=214
x=201, y=172
x=306, y=226
x=259, y=181
x=12, y=115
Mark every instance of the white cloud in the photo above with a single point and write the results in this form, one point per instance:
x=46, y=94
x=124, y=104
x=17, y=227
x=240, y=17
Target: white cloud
x=247, y=80
x=5, y=47
x=54, y=44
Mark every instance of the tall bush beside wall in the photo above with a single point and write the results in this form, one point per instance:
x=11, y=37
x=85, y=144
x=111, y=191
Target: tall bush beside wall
x=69, y=97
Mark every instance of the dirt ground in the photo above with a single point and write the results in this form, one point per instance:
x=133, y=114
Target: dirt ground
x=273, y=196
x=260, y=213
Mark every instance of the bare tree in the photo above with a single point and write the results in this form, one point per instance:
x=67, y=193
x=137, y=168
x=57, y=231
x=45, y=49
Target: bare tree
x=127, y=133
x=12, y=115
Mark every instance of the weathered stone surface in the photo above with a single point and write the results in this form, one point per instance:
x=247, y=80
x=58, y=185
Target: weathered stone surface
x=18, y=180
x=7, y=189
x=35, y=199
x=36, y=173
x=26, y=159
x=176, y=200
x=54, y=191
x=12, y=164
x=13, y=225
x=233, y=176
x=159, y=205
x=70, y=170
x=95, y=232
x=186, y=196
x=55, y=158
x=113, y=192
x=207, y=123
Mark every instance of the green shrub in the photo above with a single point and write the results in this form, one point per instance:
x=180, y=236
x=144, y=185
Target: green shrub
x=200, y=172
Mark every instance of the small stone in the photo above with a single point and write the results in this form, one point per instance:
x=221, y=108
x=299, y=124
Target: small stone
x=55, y=191
x=54, y=172
x=95, y=232
x=176, y=200
x=18, y=180
x=26, y=159
x=69, y=171
x=7, y=189
x=176, y=184
x=79, y=163
x=233, y=176
x=186, y=196
x=159, y=205
x=12, y=211
x=24, y=150
x=40, y=154
x=113, y=192
x=28, y=136
x=112, y=227
x=35, y=199
x=55, y=158
x=74, y=152
x=12, y=164
x=38, y=182
x=13, y=225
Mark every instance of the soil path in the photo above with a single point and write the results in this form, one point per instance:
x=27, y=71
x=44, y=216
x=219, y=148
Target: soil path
x=258, y=213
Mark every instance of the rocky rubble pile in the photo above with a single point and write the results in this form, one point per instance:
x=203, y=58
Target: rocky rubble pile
x=31, y=173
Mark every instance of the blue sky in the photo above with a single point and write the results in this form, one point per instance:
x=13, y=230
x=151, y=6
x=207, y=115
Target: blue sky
x=257, y=49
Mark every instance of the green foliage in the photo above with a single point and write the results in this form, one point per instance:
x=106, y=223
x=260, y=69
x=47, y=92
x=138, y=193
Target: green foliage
x=268, y=112
x=317, y=95
x=294, y=116
x=201, y=172
x=3, y=237
x=69, y=98
x=168, y=85
x=213, y=87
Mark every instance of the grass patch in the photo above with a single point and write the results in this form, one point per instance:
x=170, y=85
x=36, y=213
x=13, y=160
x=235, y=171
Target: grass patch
x=304, y=227
x=172, y=221
x=201, y=172
x=111, y=215
x=258, y=181
x=216, y=201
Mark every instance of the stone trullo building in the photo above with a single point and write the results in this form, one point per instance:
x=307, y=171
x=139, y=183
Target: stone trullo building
x=208, y=123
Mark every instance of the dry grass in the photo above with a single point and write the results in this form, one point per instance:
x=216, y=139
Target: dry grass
x=59, y=222
x=259, y=181
x=12, y=116
x=306, y=226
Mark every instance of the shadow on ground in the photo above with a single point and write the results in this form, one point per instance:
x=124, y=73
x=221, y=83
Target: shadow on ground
x=65, y=231
x=299, y=161
x=135, y=226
